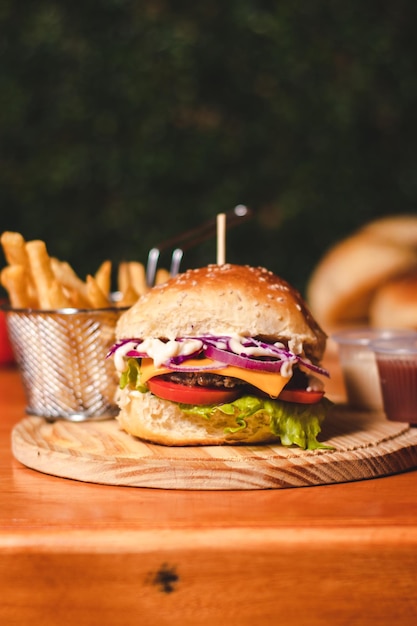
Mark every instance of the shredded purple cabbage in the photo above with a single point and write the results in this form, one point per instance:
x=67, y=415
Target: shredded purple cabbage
x=223, y=342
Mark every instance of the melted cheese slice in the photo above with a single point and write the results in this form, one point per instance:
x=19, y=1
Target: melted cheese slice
x=270, y=383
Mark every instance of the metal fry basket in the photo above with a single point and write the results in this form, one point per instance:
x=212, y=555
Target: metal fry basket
x=62, y=359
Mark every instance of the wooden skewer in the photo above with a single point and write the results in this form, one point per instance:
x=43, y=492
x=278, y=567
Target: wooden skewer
x=221, y=239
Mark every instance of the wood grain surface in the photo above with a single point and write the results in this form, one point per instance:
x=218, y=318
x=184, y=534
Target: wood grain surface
x=364, y=445
x=74, y=552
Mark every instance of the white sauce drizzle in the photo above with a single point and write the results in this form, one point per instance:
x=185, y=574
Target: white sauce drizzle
x=161, y=351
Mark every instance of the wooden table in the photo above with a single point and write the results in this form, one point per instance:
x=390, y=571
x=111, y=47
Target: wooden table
x=78, y=553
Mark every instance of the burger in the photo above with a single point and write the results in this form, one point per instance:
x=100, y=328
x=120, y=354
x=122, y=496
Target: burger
x=223, y=354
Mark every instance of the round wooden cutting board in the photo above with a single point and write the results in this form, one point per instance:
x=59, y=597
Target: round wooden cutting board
x=365, y=445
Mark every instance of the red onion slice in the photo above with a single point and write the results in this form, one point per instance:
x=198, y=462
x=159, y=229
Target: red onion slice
x=230, y=358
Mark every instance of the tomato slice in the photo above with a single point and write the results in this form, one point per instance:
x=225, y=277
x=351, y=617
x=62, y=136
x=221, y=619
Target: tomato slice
x=302, y=396
x=168, y=390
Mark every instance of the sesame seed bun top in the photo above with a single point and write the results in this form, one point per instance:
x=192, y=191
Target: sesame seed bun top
x=225, y=300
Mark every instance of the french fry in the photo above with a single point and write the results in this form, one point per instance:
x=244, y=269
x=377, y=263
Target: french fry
x=103, y=278
x=162, y=275
x=43, y=275
x=14, y=248
x=57, y=297
x=14, y=280
x=123, y=277
x=137, y=274
x=129, y=297
x=95, y=296
x=78, y=300
x=36, y=280
x=64, y=273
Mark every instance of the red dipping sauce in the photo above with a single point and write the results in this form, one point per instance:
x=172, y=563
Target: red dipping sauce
x=397, y=367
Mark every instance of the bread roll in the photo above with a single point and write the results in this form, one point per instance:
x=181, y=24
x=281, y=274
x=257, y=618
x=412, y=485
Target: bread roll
x=400, y=230
x=395, y=304
x=342, y=286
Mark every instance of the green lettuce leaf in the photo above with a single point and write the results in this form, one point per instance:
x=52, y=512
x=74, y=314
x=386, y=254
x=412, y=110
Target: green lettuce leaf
x=131, y=376
x=294, y=424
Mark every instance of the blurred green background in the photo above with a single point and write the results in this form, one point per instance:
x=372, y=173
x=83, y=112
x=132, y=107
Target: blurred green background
x=123, y=123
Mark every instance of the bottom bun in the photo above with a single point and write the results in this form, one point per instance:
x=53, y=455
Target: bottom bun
x=159, y=421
